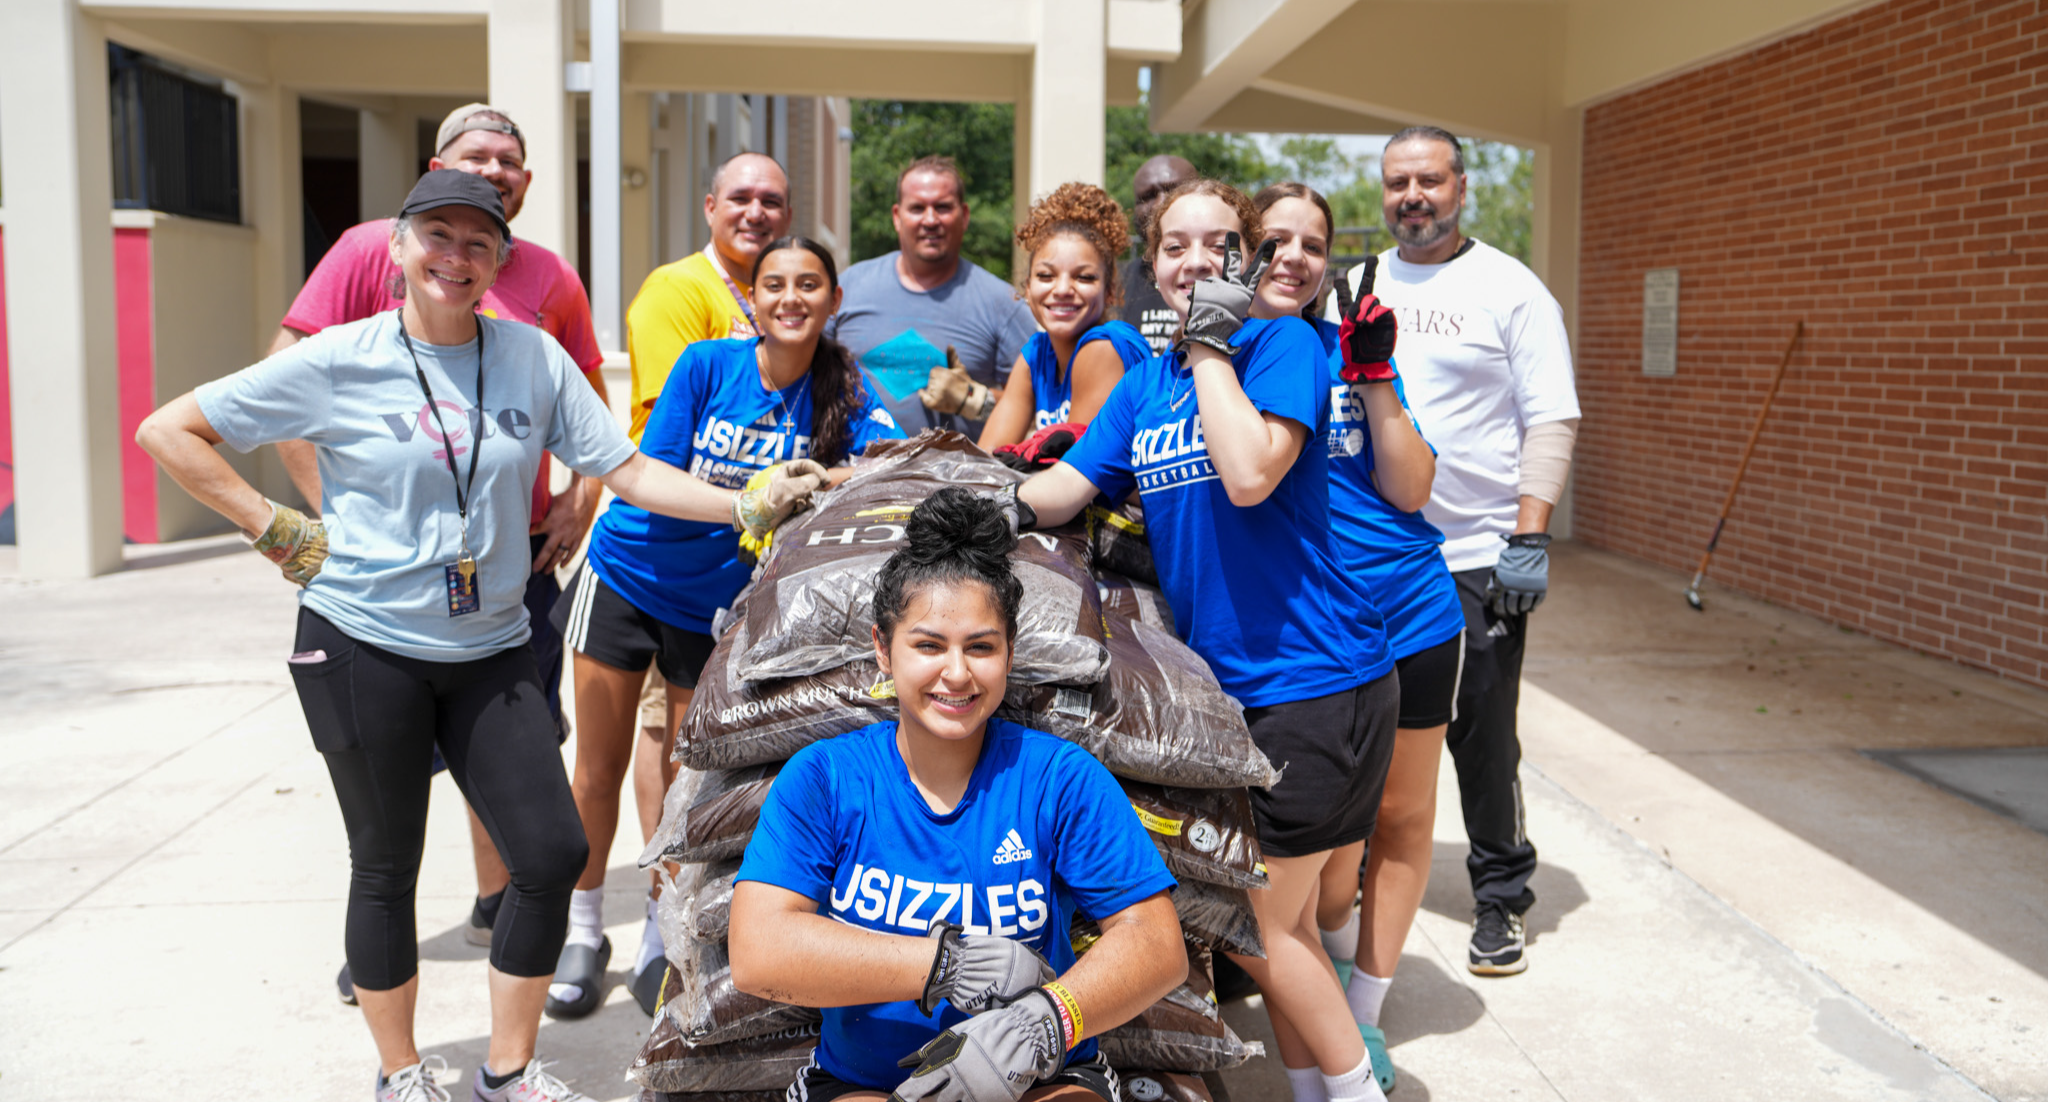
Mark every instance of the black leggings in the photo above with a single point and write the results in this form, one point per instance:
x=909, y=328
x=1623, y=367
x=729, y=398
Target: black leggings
x=377, y=718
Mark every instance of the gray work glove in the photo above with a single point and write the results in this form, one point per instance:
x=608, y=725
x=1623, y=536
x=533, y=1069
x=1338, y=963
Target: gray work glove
x=1522, y=576
x=977, y=972
x=1219, y=304
x=992, y=1057
x=1016, y=510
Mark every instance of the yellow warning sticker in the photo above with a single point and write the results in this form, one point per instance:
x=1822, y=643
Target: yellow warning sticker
x=884, y=689
x=1158, y=824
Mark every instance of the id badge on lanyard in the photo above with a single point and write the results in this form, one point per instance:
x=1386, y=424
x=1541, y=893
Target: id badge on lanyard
x=460, y=575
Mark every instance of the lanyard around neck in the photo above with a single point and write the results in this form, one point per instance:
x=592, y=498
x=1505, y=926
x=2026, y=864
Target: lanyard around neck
x=462, y=494
x=747, y=308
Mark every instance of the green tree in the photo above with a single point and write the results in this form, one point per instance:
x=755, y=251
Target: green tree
x=889, y=134
x=1500, y=195
x=1129, y=142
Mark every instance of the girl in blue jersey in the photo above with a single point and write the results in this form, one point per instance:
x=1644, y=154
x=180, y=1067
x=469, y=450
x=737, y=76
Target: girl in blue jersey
x=917, y=879
x=1380, y=475
x=1073, y=238
x=650, y=586
x=1221, y=438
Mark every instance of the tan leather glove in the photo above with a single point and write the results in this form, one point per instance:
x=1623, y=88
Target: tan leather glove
x=295, y=542
x=950, y=389
x=771, y=495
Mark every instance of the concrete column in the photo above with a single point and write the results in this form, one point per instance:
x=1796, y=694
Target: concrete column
x=1069, y=87
x=388, y=162
x=1554, y=242
x=1021, y=150
x=637, y=246
x=64, y=381
x=273, y=202
x=607, y=300
x=529, y=43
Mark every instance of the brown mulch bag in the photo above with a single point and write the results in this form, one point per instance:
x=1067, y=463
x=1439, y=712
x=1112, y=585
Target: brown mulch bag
x=1219, y=917
x=1158, y=716
x=1171, y=1033
x=714, y=817
x=1203, y=833
x=1116, y=538
x=708, y=1010
x=810, y=607
x=697, y=902
x=1153, y=1085
x=730, y=1072
x=731, y=722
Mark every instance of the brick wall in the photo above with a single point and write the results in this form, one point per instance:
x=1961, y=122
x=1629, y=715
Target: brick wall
x=1884, y=177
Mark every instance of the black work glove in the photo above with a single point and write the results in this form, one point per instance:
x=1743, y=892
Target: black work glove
x=1522, y=576
x=991, y=1057
x=1041, y=449
x=1020, y=514
x=1219, y=304
x=1367, y=330
x=980, y=971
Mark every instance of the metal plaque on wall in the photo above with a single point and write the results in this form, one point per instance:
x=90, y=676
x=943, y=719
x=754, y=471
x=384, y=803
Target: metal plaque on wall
x=1660, y=322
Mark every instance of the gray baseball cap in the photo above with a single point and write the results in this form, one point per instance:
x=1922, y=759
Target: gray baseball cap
x=475, y=116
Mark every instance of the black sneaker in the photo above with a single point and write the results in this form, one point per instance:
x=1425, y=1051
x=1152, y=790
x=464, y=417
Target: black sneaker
x=1496, y=948
x=345, y=986
x=483, y=914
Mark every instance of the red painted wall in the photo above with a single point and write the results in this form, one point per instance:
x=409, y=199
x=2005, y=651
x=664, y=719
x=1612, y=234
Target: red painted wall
x=1884, y=177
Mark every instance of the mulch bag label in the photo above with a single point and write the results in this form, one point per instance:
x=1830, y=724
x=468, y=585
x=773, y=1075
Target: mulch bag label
x=1202, y=833
x=668, y=1063
x=1116, y=539
x=811, y=605
x=1156, y=1085
x=731, y=722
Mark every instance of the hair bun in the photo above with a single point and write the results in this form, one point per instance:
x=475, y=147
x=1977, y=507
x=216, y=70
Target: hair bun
x=957, y=523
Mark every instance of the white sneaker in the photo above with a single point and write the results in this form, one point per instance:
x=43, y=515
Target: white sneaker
x=533, y=1085
x=415, y=1084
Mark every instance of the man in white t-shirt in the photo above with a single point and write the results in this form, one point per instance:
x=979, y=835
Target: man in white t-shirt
x=1487, y=367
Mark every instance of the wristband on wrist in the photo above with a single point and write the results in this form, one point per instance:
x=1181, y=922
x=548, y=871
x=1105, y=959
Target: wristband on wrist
x=1529, y=539
x=1068, y=1010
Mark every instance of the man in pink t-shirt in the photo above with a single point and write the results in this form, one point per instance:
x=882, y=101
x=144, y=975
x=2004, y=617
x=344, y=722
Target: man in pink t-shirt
x=356, y=279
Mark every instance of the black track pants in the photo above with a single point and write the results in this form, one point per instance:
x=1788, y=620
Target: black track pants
x=1487, y=752
x=377, y=717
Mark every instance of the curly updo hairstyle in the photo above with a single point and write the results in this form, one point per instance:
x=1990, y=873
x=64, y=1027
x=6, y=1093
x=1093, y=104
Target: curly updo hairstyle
x=955, y=535
x=1249, y=235
x=1080, y=210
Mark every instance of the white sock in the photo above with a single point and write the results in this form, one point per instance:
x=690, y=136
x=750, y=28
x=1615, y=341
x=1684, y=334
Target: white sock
x=1366, y=994
x=1356, y=1085
x=586, y=917
x=651, y=948
x=1342, y=942
x=586, y=927
x=1308, y=1084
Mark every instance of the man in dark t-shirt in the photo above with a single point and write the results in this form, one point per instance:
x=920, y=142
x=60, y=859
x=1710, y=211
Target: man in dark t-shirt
x=1142, y=306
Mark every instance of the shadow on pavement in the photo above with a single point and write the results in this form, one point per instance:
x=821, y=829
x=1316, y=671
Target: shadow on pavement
x=1558, y=891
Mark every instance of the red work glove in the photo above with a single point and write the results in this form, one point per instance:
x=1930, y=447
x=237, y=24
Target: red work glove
x=1041, y=449
x=1367, y=330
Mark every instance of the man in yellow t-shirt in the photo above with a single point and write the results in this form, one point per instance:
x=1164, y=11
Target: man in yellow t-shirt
x=704, y=296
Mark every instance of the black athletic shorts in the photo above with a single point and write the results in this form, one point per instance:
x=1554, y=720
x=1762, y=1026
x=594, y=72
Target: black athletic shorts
x=1333, y=752
x=596, y=621
x=815, y=1084
x=1429, y=684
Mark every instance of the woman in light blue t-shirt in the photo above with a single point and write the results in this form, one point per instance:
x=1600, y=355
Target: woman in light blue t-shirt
x=918, y=879
x=428, y=423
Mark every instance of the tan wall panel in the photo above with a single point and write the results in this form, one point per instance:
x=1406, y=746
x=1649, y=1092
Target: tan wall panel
x=203, y=293
x=804, y=71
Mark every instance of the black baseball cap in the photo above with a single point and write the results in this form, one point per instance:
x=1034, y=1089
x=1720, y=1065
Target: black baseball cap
x=448, y=187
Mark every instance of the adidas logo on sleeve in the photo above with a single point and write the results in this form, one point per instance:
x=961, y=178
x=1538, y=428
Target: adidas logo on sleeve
x=1012, y=849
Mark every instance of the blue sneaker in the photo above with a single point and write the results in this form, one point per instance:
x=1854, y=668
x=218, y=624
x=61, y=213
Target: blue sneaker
x=1376, y=1048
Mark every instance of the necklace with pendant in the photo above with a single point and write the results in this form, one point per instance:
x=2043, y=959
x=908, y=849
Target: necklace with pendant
x=1174, y=395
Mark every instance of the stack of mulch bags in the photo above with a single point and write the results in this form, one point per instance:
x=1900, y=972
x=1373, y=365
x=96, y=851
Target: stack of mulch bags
x=1095, y=662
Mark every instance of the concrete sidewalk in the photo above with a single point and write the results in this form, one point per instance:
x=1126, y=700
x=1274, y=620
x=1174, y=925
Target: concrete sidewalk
x=1734, y=902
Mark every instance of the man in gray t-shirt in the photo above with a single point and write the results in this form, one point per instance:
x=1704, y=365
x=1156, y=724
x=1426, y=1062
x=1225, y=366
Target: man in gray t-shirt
x=902, y=311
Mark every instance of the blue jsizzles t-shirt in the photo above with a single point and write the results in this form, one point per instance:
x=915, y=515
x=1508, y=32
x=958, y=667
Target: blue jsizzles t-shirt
x=716, y=421
x=1041, y=831
x=899, y=335
x=386, y=495
x=1052, y=383
x=1255, y=590
x=1398, y=555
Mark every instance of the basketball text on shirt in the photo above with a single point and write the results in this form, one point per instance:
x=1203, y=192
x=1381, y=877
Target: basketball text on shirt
x=1173, y=454
x=726, y=454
